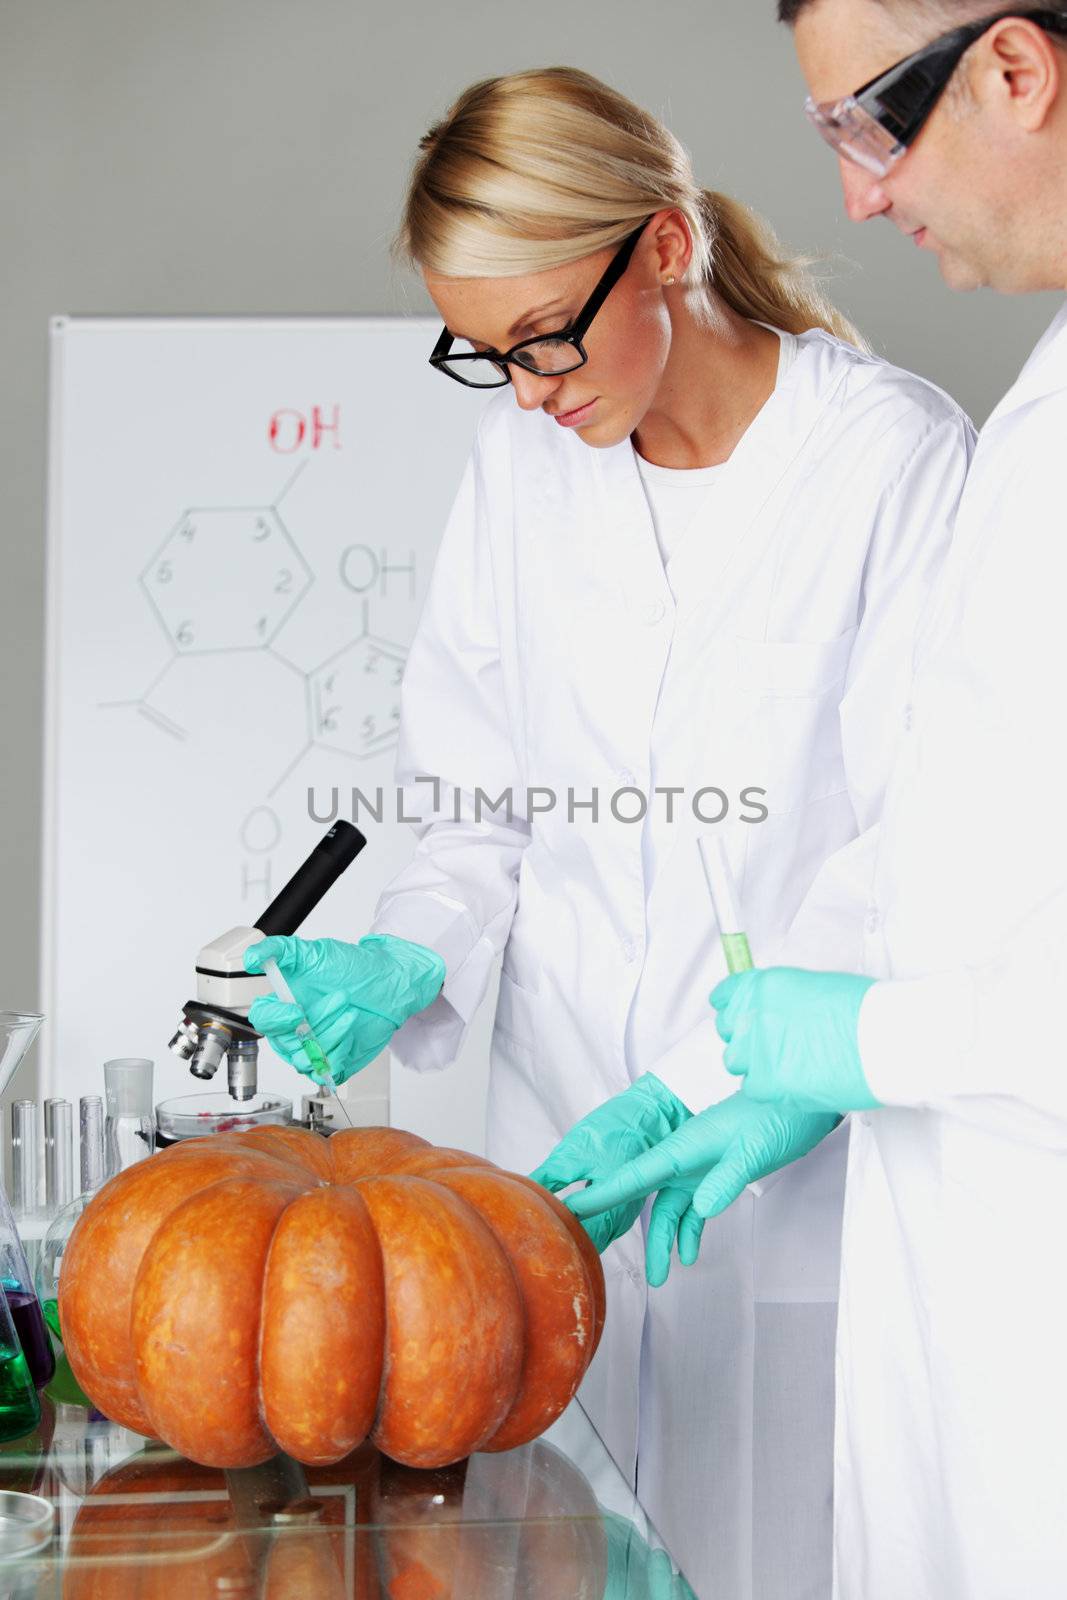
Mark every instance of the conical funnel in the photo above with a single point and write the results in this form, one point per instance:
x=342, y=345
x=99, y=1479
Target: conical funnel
x=18, y=1030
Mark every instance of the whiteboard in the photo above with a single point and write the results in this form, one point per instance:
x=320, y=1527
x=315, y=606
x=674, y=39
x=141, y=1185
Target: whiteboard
x=243, y=516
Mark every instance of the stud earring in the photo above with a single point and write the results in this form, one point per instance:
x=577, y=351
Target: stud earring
x=670, y=279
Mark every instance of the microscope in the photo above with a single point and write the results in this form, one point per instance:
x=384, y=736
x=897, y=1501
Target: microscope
x=216, y=1024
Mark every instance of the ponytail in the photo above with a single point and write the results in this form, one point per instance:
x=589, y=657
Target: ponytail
x=750, y=272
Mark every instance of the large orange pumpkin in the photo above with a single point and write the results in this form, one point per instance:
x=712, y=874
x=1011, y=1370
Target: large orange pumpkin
x=272, y=1290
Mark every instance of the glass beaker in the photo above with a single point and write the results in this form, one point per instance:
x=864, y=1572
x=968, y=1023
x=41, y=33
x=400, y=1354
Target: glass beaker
x=129, y=1130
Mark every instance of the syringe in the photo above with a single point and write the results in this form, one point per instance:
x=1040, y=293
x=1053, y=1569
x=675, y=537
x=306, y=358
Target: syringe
x=320, y=1066
x=724, y=901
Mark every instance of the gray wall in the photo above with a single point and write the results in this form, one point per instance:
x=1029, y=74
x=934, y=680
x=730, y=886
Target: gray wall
x=249, y=156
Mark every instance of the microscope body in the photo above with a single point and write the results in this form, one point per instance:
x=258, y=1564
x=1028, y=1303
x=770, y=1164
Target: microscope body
x=216, y=1024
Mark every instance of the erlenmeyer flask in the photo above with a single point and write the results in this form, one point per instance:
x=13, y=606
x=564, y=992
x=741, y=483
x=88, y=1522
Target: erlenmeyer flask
x=22, y=1309
x=23, y=1306
x=20, y=1409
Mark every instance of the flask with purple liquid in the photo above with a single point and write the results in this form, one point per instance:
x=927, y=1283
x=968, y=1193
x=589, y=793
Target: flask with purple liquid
x=22, y=1302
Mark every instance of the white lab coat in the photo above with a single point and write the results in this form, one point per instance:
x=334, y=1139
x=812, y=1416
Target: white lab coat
x=952, y=1399
x=556, y=651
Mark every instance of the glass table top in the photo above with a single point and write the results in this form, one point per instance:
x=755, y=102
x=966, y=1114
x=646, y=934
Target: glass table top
x=552, y=1520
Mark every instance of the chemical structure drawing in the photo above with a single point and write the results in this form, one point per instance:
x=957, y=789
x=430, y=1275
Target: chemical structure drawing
x=222, y=586
x=355, y=697
x=257, y=578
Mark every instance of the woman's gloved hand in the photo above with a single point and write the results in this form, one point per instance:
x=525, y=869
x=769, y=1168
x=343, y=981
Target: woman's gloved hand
x=700, y=1169
x=636, y=1571
x=610, y=1136
x=355, y=996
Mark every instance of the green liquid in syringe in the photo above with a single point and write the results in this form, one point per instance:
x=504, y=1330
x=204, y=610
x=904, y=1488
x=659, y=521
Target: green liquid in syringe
x=738, y=955
x=20, y=1411
x=313, y=1051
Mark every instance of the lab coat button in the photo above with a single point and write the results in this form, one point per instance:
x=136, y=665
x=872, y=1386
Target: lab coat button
x=626, y=778
x=874, y=920
x=629, y=949
x=909, y=718
x=655, y=612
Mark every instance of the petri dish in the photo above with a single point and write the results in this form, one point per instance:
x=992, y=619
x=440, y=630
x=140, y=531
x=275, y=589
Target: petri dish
x=26, y=1523
x=191, y=1116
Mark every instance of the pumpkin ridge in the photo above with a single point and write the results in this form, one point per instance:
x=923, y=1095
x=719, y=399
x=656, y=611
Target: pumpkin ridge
x=464, y=1323
x=526, y=1252
x=260, y=1404
x=213, y=1338
x=331, y=1353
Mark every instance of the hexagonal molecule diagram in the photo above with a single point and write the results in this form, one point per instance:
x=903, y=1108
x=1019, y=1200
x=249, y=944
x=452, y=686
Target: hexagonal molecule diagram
x=225, y=578
x=355, y=698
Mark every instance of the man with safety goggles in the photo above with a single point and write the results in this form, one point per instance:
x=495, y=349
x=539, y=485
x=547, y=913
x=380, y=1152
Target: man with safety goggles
x=952, y=1383
x=976, y=108
x=951, y=1400
x=880, y=122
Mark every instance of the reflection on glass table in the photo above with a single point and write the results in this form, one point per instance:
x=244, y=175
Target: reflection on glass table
x=552, y=1520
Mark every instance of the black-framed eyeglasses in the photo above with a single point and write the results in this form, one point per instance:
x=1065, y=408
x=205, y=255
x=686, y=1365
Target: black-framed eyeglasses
x=876, y=126
x=548, y=356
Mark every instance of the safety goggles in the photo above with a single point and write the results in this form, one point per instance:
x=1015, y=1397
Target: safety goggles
x=548, y=357
x=876, y=126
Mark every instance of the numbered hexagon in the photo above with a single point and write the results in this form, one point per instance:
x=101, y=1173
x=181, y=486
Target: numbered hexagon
x=225, y=578
x=355, y=698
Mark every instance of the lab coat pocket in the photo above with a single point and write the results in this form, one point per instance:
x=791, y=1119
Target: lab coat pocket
x=515, y=1010
x=794, y=667
x=791, y=691
x=520, y=966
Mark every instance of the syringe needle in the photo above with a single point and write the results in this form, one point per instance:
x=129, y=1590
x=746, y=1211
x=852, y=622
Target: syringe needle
x=320, y=1066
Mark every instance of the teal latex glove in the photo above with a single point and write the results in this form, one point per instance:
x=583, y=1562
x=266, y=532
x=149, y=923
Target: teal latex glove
x=634, y=1570
x=700, y=1169
x=793, y=1036
x=611, y=1135
x=355, y=996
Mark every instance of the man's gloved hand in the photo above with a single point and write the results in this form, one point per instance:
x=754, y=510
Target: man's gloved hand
x=611, y=1135
x=355, y=996
x=793, y=1036
x=699, y=1170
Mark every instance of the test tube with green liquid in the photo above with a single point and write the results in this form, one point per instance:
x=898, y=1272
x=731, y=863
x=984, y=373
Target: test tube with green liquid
x=724, y=900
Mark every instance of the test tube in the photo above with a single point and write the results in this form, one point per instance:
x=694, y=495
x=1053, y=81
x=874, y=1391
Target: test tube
x=724, y=899
x=91, y=1114
x=24, y=1155
x=58, y=1154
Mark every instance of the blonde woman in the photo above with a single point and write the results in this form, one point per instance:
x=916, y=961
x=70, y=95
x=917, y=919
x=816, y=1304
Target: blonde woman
x=676, y=596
